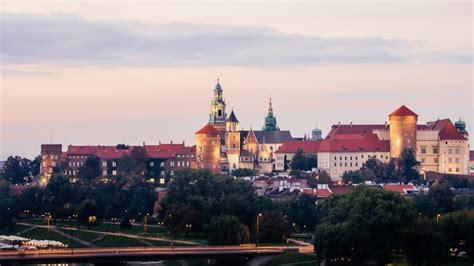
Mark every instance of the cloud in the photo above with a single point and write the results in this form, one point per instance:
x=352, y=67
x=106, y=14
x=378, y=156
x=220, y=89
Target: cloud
x=65, y=39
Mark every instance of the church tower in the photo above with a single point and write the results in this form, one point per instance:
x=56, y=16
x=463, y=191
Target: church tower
x=316, y=134
x=218, y=116
x=270, y=120
x=232, y=141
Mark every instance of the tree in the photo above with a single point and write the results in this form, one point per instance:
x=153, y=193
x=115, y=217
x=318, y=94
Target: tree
x=88, y=213
x=423, y=243
x=35, y=166
x=126, y=166
x=378, y=171
x=241, y=172
x=439, y=200
x=303, y=162
x=364, y=225
x=227, y=230
x=140, y=157
x=463, y=203
x=302, y=212
x=91, y=168
x=273, y=227
x=354, y=177
x=17, y=170
x=458, y=229
x=408, y=166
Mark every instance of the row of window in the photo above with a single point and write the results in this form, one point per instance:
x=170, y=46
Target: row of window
x=451, y=170
x=423, y=150
x=345, y=164
x=52, y=157
x=356, y=157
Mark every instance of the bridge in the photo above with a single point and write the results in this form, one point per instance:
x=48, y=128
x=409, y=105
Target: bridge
x=114, y=256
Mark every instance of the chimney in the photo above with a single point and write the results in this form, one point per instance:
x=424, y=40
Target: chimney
x=159, y=142
x=171, y=142
x=143, y=144
x=385, y=123
x=183, y=143
x=339, y=123
x=351, y=123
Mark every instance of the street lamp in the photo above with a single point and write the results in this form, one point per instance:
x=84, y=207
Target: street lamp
x=145, y=224
x=258, y=226
x=188, y=228
x=437, y=217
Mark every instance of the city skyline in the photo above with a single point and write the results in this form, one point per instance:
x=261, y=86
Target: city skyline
x=140, y=98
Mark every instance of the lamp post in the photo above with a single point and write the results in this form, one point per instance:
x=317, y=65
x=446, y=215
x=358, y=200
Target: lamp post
x=258, y=226
x=188, y=228
x=437, y=217
x=145, y=224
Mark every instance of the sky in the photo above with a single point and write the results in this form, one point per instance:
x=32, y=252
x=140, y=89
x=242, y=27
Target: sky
x=109, y=72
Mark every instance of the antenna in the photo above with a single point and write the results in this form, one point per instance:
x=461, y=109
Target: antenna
x=51, y=136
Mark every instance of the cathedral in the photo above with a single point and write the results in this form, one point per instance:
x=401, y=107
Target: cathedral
x=222, y=147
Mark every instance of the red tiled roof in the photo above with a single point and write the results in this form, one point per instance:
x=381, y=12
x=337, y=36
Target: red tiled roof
x=366, y=143
x=403, y=111
x=355, y=129
x=320, y=192
x=292, y=146
x=400, y=189
x=208, y=129
x=340, y=189
x=161, y=151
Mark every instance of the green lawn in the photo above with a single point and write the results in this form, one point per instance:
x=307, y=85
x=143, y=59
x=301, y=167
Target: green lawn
x=118, y=241
x=86, y=236
x=45, y=234
x=294, y=257
x=13, y=230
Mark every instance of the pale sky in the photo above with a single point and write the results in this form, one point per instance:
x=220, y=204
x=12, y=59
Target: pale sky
x=109, y=72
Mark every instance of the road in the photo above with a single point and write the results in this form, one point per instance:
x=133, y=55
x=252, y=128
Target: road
x=82, y=253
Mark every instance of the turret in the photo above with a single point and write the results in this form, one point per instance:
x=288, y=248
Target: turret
x=232, y=141
x=402, y=131
x=316, y=134
x=208, y=148
x=461, y=127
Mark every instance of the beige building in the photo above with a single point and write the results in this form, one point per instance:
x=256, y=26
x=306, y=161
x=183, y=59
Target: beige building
x=440, y=146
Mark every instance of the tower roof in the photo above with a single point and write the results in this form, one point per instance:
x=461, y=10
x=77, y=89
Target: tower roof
x=208, y=129
x=232, y=117
x=218, y=85
x=403, y=111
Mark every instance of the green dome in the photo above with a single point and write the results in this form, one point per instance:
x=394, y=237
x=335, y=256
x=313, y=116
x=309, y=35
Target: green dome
x=316, y=130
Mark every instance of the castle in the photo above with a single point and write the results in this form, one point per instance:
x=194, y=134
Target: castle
x=222, y=147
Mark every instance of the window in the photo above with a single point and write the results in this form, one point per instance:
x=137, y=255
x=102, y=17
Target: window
x=362, y=156
x=423, y=150
x=435, y=150
x=335, y=158
x=340, y=164
x=162, y=164
x=457, y=169
x=152, y=164
x=350, y=158
x=456, y=160
x=104, y=164
x=162, y=173
x=356, y=158
x=450, y=160
x=172, y=163
x=219, y=113
x=357, y=164
x=114, y=172
x=450, y=151
x=104, y=172
x=457, y=151
x=450, y=170
x=436, y=160
x=179, y=163
x=162, y=181
x=53, y=164
x=114, y=164
x=422, y=160
x=335, y=164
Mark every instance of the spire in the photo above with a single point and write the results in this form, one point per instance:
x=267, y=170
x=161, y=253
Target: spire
x=270, y=119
